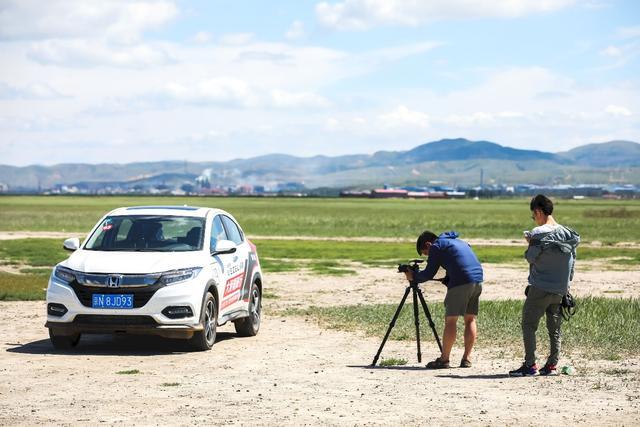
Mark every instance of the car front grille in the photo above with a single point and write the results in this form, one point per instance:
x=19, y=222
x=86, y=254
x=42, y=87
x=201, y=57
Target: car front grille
x=141, y=294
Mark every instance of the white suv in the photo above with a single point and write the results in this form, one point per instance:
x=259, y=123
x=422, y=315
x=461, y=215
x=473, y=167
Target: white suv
x=174, y=271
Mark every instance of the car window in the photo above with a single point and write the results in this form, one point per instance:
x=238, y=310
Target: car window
x=123, y=229
x=232, y=230
x=147, y=233
x=217, y=231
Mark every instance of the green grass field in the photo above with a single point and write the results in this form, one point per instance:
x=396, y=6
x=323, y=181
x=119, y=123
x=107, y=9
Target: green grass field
x=35, y=257
x=606, y=221
x=601, y=328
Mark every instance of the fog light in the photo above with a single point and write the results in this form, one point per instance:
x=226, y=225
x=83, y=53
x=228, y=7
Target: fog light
x=55, y=309
x=177, y=312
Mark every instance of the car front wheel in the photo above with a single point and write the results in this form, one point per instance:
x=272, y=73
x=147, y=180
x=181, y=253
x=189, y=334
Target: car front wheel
x=63, y=342
x=204, y=340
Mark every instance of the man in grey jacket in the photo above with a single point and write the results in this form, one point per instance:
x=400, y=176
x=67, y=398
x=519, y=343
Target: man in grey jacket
x=551, y=255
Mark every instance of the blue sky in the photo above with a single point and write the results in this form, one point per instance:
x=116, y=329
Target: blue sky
x=125, y=81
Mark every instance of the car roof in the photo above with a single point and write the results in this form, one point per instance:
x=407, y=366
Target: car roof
x=177, y=210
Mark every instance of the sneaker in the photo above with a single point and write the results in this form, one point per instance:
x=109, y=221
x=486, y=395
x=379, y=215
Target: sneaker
x=548, y=369
x=525, y=371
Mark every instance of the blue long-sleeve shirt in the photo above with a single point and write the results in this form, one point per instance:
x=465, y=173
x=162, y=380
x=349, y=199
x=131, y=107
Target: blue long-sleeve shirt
x=456, y=257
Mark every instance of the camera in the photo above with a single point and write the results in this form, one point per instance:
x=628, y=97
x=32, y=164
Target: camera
x=412, y=266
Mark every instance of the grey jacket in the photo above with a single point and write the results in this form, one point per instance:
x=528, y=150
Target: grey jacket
x=552, y=258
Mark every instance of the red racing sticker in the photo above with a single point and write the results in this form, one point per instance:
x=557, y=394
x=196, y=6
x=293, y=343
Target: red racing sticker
x=233, y=298
x=233, y=285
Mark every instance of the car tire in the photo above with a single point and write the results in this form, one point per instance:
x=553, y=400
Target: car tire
x=63, y=342
x=204, y=340
x=249, y=326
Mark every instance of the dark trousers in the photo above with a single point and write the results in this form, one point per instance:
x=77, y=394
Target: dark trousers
x=537, y=304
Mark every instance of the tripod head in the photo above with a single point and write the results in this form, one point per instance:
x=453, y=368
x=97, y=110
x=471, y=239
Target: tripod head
x=411, y=266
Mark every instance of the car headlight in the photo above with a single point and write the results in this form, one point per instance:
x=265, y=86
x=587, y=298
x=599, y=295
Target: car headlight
x=177, y=276
x=64, y=274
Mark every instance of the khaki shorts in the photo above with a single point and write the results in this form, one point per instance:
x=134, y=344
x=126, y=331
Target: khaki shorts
x=463, y=299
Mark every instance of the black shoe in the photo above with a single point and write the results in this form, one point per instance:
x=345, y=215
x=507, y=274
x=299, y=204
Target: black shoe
x=438, y=364
x=548, y=369
x=525, y=371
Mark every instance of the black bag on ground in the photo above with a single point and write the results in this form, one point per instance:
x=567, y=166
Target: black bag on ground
x=568, y=306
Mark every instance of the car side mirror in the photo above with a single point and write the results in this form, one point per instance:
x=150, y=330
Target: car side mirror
x=71, y=244
x=223, y=247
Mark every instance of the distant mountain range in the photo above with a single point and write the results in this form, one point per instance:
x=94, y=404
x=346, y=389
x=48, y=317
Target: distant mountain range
x=454, y=161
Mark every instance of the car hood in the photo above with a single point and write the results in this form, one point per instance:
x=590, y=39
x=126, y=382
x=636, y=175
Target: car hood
x=133, y=262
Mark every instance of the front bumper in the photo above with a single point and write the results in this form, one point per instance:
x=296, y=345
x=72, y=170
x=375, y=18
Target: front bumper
x=111, y=324
x=145, y=319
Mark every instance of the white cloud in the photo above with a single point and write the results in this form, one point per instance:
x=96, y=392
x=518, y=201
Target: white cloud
x=217, y=91
x=364, y=14
x=232, y=92
x=88, y=53
x=118, y=20
x=628, y=32
x=623, y=54
x=505, y=107
x=617, y=110
x=296, y=31
x=596, y=4
x=400, y=121
x=202, y=37
x=236, y=39
x=284, y=99
x=480, y=119
x=31, y=91
x=396, y=53
x=403, y=117
x=612, y=51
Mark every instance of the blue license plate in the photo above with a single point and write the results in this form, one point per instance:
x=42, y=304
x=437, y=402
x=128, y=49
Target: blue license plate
x=112, y=301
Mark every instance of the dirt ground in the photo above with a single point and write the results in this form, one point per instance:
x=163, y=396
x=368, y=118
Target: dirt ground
x=295, y=373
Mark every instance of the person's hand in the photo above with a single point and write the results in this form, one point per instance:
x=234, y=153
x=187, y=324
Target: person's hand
x=409, y=275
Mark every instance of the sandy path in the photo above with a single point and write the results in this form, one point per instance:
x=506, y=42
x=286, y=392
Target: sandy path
x=292, y=373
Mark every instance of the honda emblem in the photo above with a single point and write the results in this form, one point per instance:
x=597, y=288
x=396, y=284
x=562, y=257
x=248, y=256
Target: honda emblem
x=115, y=281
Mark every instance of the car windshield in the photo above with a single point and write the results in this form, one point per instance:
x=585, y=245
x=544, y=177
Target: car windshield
x=148, y=233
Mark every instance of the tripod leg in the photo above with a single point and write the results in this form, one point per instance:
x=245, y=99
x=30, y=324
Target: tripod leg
x=391, y=325
x=416, y=319
x=428, y=314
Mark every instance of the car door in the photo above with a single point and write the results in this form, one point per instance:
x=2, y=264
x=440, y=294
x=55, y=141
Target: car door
x=221, y=263
x=236, y=293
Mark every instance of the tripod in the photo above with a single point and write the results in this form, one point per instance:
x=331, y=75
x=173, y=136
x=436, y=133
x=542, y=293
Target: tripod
x=417, y=294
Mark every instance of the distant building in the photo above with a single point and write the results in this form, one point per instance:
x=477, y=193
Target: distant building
x=418, y=194
x=383, y=193
x=351, y=193
x=456, y=194
x=291, y=187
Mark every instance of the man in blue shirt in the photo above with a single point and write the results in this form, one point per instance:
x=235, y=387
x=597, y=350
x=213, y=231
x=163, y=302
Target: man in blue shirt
x=464, y=286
